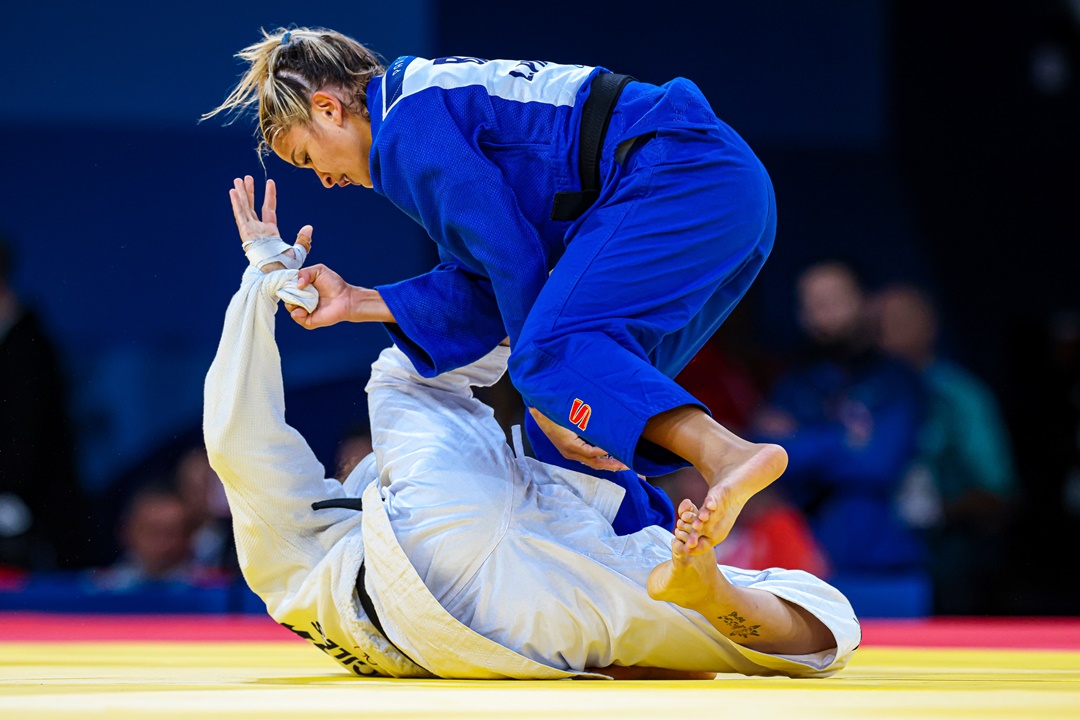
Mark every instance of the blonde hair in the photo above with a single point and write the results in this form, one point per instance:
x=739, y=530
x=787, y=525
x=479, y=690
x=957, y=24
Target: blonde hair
x=288, y=66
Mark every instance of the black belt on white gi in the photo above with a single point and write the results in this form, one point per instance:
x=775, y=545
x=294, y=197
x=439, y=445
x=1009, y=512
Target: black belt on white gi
x=361, y=592
x=595, y=118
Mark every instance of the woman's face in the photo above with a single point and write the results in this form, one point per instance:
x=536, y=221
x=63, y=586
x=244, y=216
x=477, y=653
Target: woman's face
x=335, y=145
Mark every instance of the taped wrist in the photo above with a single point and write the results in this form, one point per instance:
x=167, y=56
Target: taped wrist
x=263, y=251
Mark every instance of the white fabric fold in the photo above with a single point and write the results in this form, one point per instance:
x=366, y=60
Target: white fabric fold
x=481, y=564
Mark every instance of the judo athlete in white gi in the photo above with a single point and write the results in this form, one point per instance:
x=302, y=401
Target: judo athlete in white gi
x=476, y=562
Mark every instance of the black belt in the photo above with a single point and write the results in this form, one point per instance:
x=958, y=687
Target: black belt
x=369, y=609
x=595, y=118
x=361, y=592
x=369, y=606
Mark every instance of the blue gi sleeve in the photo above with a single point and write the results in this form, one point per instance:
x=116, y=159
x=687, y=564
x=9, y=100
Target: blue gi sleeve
x=446, y=318
x=441, y=178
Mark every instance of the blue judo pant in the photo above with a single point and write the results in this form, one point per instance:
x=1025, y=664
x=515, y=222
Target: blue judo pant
x=650, y=272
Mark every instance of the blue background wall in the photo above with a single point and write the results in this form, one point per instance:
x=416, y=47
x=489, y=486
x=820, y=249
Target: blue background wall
x=893, y=132
x=117, y=200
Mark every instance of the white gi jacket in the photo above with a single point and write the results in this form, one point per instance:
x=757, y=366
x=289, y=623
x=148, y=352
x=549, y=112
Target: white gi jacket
x=479, y=563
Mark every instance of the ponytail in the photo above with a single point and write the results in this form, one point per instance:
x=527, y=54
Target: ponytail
x=287, y=67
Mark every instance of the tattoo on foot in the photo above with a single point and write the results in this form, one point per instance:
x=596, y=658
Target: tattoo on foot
x=738, y=626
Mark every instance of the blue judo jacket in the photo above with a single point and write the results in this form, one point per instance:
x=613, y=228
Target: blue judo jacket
x=475, y=150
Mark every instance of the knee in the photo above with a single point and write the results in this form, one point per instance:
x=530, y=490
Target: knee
x=524, y=365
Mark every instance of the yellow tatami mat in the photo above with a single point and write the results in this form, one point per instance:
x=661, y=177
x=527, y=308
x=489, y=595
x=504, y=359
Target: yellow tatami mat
x=290, y=679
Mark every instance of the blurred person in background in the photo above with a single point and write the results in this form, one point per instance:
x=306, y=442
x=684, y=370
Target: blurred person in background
x=958, y=487
x=354, y=447
x=849, y=418
x=41, y=525
x=155, y=534
x=212, y=546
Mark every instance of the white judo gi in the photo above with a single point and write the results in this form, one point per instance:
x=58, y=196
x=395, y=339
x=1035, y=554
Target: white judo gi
x=479, y=563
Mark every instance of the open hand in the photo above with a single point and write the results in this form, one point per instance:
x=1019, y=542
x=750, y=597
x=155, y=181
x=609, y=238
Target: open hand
x=572, y=447
x=249, y=224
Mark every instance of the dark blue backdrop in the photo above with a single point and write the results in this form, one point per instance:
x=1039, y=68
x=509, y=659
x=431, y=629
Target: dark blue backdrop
x=116, y=197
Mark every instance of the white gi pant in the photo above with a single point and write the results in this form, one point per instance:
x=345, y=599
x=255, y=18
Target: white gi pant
x=520, y=552
x=530, y=560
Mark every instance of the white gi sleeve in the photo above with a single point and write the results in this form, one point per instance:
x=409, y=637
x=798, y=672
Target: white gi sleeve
x=270, y=475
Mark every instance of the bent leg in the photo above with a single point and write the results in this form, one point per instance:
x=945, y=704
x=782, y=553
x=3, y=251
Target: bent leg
x=562, y=589
x=646, y=279
x=753, y=618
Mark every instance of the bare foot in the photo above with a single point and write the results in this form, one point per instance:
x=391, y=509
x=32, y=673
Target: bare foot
x=690, y=580
x=730, y=487
x=751, y=617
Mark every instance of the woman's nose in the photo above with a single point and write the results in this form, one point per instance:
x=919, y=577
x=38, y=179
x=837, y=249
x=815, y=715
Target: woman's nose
x=327, y=181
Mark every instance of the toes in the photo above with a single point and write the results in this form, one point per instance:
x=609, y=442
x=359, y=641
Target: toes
x=678, y=549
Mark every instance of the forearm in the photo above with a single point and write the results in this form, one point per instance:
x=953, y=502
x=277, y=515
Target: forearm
x=268, y=470
x=367, y=305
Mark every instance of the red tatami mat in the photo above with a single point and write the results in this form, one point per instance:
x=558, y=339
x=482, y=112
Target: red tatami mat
x=43, y=627
x=970, y=632
x=1006, y=633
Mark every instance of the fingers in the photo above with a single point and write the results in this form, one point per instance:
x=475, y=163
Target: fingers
x=310, y=276
x=269, y=208
x=307, y=276
x=249, y=189
x=606, y=463
x=304, y=237
x=572, y=447
x=242, y=212
x=304, y=319
x=241, y=197
x=237, y=210
x=592, y=456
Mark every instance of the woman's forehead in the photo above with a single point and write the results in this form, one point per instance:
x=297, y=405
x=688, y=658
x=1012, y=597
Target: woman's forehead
x=288, y=142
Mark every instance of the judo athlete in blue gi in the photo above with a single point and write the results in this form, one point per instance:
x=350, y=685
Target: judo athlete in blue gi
x=605, y=293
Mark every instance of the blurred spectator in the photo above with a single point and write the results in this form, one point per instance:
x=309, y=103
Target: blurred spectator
x=960, y=482
x=212, y=546
x=506, y=404
x=156, y=537
x=354, y=447
x=848, y=417
x=41, y=506
x=720, y=375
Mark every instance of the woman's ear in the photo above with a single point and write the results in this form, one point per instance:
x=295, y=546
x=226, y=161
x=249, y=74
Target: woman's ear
x=326, y=105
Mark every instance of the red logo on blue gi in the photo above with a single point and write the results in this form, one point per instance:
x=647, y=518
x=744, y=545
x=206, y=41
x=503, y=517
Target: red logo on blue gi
x=580, y=414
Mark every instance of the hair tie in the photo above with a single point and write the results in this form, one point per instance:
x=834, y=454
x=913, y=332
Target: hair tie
x=286, y=37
